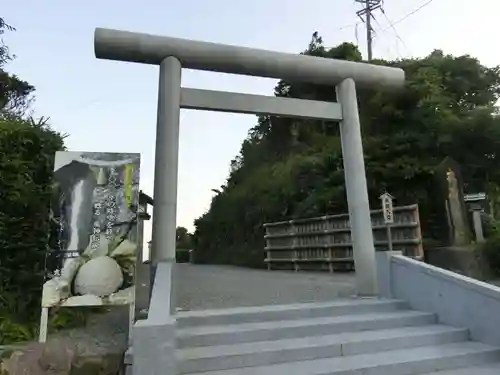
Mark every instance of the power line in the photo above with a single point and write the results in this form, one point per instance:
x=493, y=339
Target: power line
x=375, y=32
x=348, y=26
x=391, y=25
x=378, y=33
x=405, y=17
x=366, y=15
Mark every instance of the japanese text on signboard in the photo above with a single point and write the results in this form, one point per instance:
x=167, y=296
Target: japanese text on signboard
x=111, y=205
x=387, y=210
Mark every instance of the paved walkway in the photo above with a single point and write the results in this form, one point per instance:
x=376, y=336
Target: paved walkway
x=201, y=287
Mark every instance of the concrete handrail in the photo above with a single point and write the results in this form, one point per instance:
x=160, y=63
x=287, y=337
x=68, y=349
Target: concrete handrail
x=489, y=290
x=457, y=300
x=160, y=306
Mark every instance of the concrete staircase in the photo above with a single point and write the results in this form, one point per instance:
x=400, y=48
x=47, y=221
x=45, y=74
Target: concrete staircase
x=353, y=336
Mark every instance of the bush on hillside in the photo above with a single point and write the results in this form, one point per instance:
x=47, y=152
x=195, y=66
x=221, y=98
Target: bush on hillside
x=290, y=168
x=26, y=164
x=490, y=249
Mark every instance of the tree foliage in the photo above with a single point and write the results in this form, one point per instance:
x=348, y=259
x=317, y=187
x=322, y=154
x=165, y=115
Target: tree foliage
x=293, y=168
x=15, y=94
x=183, y=238
x=26, y=164
x=27, y=150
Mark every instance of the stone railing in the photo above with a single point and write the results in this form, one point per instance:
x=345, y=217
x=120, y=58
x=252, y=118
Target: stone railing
x=325, y=242
x=457, y=300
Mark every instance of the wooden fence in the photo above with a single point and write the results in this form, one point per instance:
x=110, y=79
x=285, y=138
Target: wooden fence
x=324, y=243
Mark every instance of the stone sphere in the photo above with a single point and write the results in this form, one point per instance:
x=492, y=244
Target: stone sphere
x=100, y=276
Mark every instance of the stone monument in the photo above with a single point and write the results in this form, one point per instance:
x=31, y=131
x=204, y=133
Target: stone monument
x=451, y=203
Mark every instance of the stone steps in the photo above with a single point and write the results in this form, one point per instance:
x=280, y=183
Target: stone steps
x=278, y=330
x=258, y=314
x=308, y=348
x=490, y=369
x=395, y=362
x=352, y=336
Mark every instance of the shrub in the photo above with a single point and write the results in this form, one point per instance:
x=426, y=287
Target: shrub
x=26, y=164
x=490, y=249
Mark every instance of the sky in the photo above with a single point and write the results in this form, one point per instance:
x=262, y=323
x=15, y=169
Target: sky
x=107, y=106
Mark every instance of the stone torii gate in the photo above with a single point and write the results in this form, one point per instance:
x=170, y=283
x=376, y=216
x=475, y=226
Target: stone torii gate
x=173, y=54
x=154, y=348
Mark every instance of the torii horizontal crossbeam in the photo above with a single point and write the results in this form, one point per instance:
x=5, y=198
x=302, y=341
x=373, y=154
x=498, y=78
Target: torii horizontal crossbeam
x=221, y=101
x=151, y=49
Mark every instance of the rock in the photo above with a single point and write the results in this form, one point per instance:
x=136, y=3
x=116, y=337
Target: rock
x=109, y=364
x=86, y=300
x=100, y=277
x=60, y=357
x=7, y=350
x=54, y=290
x=23, y=362
x=54, y=358
x=57, y=356
x=96, y=349
x=122, y=297
x=71, y=268
x=125, y=248
x=100, y=251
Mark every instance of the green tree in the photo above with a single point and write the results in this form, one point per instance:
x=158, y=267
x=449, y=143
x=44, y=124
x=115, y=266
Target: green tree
x=27, y=150
x=288, y=168
x=15, y=94
x=26, y=164
x=183, y=238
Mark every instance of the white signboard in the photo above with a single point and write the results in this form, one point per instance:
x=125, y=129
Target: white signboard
x=387, y=208
x=93, y=246
x=92, y=255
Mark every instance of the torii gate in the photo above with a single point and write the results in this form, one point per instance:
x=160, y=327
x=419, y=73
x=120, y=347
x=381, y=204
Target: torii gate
x=173, y=54
x=155, y=338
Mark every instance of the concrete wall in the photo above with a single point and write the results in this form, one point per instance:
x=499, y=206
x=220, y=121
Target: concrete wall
x=457, y=300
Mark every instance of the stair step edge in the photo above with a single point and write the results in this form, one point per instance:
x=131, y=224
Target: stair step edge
x=345, y=338
x=286, y=307
x=427, y=358
x=489, y=369
x=283, y=324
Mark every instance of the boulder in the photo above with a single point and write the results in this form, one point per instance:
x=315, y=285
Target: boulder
x=96, y=349
x=59, y=357
x=54, y=291
x=122, y=297
x=126, y=247
x=99, y=276
x=109, y=364
x=54, y=357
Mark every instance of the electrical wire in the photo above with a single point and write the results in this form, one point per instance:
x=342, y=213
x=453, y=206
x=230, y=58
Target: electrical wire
x=405, y=17
x=387, y=49
x=391, y=25
x=348, y=26
x=377, y=23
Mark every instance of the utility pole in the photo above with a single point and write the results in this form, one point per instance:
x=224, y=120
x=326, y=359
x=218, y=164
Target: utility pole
x=366, y=15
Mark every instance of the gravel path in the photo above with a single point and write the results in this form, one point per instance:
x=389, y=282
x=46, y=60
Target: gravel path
x=207, y=287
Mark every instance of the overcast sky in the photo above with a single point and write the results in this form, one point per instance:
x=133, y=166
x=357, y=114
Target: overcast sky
x=111, y=106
